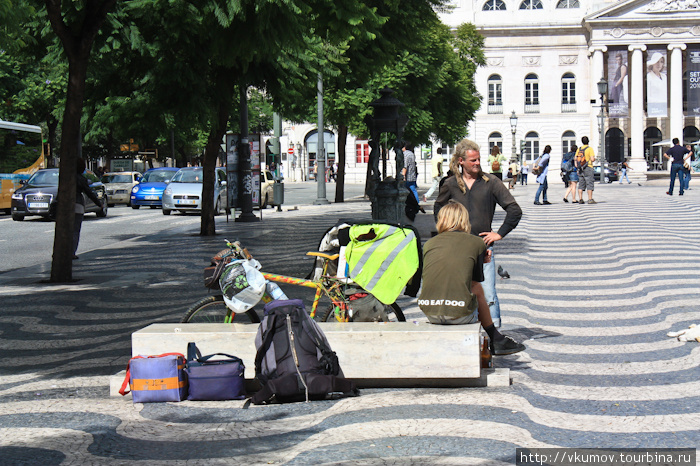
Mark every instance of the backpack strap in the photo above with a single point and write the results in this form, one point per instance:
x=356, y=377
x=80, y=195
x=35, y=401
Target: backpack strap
x=193, y=352
x=267, y=336
x=328, y=357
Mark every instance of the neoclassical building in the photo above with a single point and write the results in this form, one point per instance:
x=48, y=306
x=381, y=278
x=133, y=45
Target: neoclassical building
x=545, y=59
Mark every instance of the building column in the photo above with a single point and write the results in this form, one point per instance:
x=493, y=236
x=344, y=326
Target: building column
x=636, y=71
x=597, y=72
x=676, y=95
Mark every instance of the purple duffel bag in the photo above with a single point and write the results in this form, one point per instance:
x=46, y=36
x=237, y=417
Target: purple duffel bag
x=214, y=379
x=156, y=378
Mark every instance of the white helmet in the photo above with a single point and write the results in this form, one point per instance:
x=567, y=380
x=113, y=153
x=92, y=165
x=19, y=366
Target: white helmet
x=242, y=285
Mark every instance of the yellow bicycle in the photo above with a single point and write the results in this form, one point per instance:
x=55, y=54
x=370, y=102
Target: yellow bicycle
x=341, y=297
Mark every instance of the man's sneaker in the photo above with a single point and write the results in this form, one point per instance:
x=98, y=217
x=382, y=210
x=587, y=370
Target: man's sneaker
x=591, y=201
x=581, y=201
x=506, y=346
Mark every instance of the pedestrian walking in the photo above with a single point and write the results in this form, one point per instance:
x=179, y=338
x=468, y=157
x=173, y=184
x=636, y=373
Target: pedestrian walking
x=570, y=167
x=624, y=166
x=409, y=170
x=543, y=163
x=687, y=162
x=584, y=165
x=479, y=193
x=677, y=155
x=436, y=166
x=523, y=174
x=496, y=161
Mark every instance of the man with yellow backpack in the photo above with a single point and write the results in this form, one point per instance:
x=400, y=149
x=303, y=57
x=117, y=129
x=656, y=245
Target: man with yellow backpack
x=584, y=164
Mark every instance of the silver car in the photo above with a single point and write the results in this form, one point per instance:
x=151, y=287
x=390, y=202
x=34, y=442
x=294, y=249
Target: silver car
x=119, y=185
x=184, y=193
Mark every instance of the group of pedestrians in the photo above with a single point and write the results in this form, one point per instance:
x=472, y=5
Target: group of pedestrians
x=577, y=165
x=681, y=158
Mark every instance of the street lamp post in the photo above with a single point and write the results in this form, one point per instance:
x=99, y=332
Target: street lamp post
x=513, y=128
x=387, y=196
x=603, y=91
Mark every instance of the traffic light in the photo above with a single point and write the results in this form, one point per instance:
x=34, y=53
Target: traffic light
x=522, y=146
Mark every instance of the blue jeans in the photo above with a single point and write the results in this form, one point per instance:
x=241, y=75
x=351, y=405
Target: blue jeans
x=676, y=169
x=624, y=176
x=414, y=189
x=686, y=180
x=489, y=286
x=542, y=189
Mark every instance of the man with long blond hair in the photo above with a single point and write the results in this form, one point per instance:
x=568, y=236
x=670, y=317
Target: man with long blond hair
x=451, y=292
x=479, y=193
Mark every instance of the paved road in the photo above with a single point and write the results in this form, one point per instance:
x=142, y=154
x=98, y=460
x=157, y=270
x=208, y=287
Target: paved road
x=30, y=242
x=595, y=289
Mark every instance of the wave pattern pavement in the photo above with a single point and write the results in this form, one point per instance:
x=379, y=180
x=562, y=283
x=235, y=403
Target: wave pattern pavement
x=593, y=291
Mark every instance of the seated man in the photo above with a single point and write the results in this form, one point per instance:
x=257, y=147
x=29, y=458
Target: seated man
x=452, y=269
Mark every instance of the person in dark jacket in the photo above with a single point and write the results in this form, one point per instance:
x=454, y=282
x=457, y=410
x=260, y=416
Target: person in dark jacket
x=82, y=187
x=480, y=194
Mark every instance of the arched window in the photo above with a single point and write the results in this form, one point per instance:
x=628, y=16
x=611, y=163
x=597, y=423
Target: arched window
x=614, y=145
x=495, y=95
x=653, y=154
x=691, y=134
x=494, y=5
x=568, y=93
x=568, y=4
x=495, y=139
x=531, y=5
x=568, y=139
x=532, y=94
x=532, y=146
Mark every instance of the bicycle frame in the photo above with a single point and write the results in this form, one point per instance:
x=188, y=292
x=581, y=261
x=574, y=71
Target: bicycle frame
x=326, y=285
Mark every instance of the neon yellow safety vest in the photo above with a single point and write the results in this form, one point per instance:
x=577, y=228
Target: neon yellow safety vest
x=383, y=264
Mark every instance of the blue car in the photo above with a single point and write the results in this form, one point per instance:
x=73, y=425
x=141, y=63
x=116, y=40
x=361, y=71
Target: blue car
x=150, y=190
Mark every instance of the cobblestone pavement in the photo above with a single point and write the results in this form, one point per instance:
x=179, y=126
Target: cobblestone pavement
x=594, y=290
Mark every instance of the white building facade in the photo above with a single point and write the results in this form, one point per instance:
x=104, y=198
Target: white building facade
x=546, y=57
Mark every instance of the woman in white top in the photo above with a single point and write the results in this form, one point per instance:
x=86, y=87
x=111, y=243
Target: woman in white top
x=657, y=86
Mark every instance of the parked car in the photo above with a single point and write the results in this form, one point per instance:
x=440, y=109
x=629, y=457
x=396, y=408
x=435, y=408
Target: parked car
x=184, y=193
x=39, y=195
x=610, y=174
x=149, y=192
x=267, y=192
x=119, y=186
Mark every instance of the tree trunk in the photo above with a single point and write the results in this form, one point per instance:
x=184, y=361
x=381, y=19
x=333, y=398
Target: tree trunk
x=211, y=152
x=77, y=40
x=340, y=175
x=62, y=265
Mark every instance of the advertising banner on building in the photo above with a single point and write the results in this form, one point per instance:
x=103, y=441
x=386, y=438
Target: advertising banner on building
x=657, y=83
x=693, y=82
x=618, y=84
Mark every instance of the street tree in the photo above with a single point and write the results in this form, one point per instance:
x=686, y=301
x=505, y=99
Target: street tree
x=76, y=24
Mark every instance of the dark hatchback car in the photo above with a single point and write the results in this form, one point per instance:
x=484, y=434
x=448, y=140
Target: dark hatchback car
x=38, y=196
x=610, y=174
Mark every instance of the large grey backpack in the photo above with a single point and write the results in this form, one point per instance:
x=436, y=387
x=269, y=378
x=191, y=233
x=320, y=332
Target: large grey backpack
x=294, y=361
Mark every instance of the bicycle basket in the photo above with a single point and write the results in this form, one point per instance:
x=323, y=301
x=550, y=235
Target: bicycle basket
x=242, y=285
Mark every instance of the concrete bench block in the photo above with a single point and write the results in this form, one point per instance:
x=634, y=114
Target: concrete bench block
x=395, y=354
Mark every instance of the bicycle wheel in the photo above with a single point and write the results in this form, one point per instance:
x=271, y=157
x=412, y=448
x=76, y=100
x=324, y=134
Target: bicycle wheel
x=394, y=313
x=213, y=309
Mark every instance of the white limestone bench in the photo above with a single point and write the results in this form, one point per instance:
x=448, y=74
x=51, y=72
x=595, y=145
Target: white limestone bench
x=396, y=354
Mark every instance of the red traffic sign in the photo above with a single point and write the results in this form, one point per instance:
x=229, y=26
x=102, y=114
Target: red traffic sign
x=290, y=151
